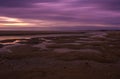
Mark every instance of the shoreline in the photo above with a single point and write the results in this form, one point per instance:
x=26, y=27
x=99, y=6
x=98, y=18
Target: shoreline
x=22, y=33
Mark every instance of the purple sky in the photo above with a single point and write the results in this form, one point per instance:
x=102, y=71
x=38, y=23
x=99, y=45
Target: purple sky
x=59, y=13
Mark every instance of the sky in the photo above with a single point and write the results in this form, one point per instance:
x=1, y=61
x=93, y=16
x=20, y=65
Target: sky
x=59, y=13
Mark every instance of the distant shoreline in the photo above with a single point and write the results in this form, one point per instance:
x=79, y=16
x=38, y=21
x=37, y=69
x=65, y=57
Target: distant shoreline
x=21, y=32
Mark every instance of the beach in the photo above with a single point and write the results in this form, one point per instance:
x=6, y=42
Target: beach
x=61, y=55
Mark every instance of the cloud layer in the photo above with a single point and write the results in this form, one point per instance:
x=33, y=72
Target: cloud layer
x=61, y=12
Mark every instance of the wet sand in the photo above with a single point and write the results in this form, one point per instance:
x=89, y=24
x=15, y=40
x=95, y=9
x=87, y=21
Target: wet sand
x=92, y=55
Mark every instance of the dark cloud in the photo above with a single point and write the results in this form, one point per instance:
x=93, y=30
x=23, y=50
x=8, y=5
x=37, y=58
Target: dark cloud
x=109, y=4
x=21, y=3
x=103, y=4
x=113, y=5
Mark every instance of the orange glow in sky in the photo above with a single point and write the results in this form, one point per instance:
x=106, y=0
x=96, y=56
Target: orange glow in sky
x=8, y=21
x=15, y=24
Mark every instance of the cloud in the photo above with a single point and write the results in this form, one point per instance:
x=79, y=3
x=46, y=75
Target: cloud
x=63, y=12
x=113, y=5
x=21, y=3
